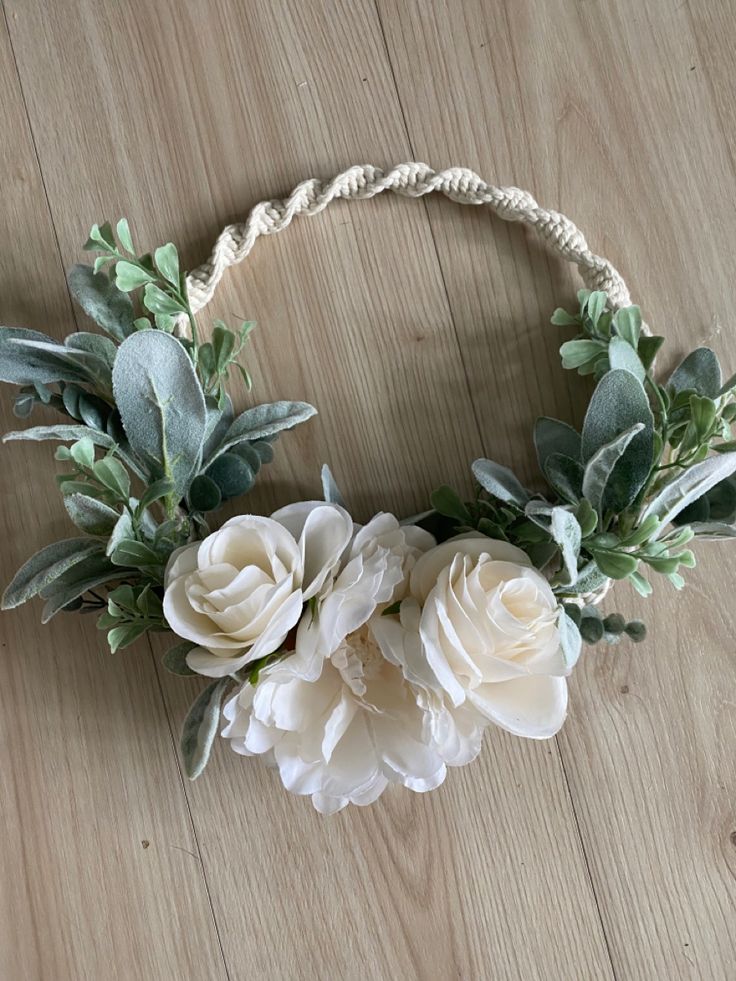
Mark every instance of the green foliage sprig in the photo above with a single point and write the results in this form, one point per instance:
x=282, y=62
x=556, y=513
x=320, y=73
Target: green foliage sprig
x=651, y=470
x=148, y=433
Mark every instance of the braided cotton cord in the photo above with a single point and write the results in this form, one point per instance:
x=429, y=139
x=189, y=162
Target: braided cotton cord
x=411, y=180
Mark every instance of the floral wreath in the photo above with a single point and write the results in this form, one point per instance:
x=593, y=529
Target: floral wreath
x=353, y=657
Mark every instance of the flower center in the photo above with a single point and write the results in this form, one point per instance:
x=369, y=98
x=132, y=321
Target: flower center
x=362, y=645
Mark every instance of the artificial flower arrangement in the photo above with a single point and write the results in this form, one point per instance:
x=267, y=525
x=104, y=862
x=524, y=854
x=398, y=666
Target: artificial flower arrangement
x=350, y=656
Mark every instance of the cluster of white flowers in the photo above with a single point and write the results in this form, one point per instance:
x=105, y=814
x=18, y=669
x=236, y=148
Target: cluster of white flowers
x=399, y=651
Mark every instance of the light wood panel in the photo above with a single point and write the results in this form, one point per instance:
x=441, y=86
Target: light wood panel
x=618, y=115
x=182, y=116
x=99, y=875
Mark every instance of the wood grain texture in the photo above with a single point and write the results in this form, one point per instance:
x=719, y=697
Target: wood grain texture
x=419, y=330
x=615, y=115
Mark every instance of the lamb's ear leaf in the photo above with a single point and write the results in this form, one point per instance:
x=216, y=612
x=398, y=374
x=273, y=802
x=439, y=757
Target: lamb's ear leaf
x=98, y=345
x=565, y=476
x=161, y=405
x=330, y=490
x=619, y=402
x=264, y=422
x=552, y=436
x=622, y=355
x=570, y=640
x=89, y=514
x=64, y=434
x=200, y=727
x=101, y=300
x=699, y=372
x=690, y=486
x=500, y=482
x=565, y=530
x=23, y=365
x=600, y=467
x=92, y=571
x=46, y=566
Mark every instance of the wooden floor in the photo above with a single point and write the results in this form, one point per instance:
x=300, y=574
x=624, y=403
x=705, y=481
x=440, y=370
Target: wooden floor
x=420, y=330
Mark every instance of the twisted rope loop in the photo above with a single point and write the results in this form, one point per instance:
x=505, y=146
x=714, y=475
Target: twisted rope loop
x=410, y=180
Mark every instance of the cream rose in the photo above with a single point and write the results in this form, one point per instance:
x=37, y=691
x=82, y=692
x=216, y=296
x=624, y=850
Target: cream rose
x=490, y=634
x=238, y=593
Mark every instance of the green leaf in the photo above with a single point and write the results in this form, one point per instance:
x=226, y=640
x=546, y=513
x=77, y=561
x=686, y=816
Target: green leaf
x=566, y=532
x=200, y=727
x=158, y=302
x=100, y=236
x=589, y=579
x=574, y=354
x=121, y=531
x=167, y=262
x=703, y=413
x=43, y=363
x=330, y=490
x=565, y=476
x=65, y=434
x=596, y=305
x=129, y=277
x=627, y=322
x=89, y=514
x=113, y=475
x=700, y=372
x=561, y=318
x=713, y=531
x=615, y=565
x=123, y=636
x=134, y=554
x=161, y=405
x=83, y=453
x=45, y=567
x=552, y=436
x=570, y=639
x=647, y=348
x=99, y=347
x=689, y=486
x=124, y=237
x=621, y=355
x=223, y=343
x=619, y=403
x=175, y=659
x=91, y=572
x=218, y=422
x=600, y=467
x=587, y=518
x=264, y=421
x=204, y=494
x=500, y=482
x=156, y=491
x=446, y=501
x=101, y=300
x=231, y=474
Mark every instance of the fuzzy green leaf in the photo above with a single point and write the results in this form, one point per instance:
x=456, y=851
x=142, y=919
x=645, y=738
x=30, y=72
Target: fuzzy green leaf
x=129, y=277
x=264, y=421
x=689, y=486
x=200, y=727
x=330, y=490
x=90, y=515
x=565, y=476
x=699, y=372
x=627, y=322
x=552, y=436
x=101, y=300
x=500, y=482
x=91, y=572
x=566, y=532
x=167, y=262
x=161, y=405
x=43, y=363
x=45, y=567
x=621, y=355
x=570, y=639
x=175, y=659
x=600, y=467
x=65, y=434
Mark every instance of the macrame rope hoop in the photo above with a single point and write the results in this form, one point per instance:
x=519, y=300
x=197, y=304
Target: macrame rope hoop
x=412, y=180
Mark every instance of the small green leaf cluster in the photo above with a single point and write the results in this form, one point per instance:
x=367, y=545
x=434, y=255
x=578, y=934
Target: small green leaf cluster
x=594, y=627
x=652, y=468
x=131, y=612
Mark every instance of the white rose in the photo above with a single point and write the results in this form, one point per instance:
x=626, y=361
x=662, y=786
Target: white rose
x=373, y=573
x=342, y=738
x=239, y=592
x=489, y=630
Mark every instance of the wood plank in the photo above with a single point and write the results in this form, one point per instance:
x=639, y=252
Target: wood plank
x=614, y=114
x=208, y=111
x=99, y=876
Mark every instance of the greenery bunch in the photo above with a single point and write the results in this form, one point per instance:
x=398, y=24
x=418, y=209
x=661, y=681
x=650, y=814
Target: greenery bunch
x=148, y=434
x=651, y=470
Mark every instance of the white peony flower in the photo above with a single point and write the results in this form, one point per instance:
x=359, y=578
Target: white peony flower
x=490, y=635
x=373, y=573
x=343, y=737
x=238, y=593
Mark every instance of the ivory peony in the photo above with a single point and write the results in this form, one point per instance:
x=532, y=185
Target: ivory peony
x=344, y=737
x=238, y=593
x=490, y=635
